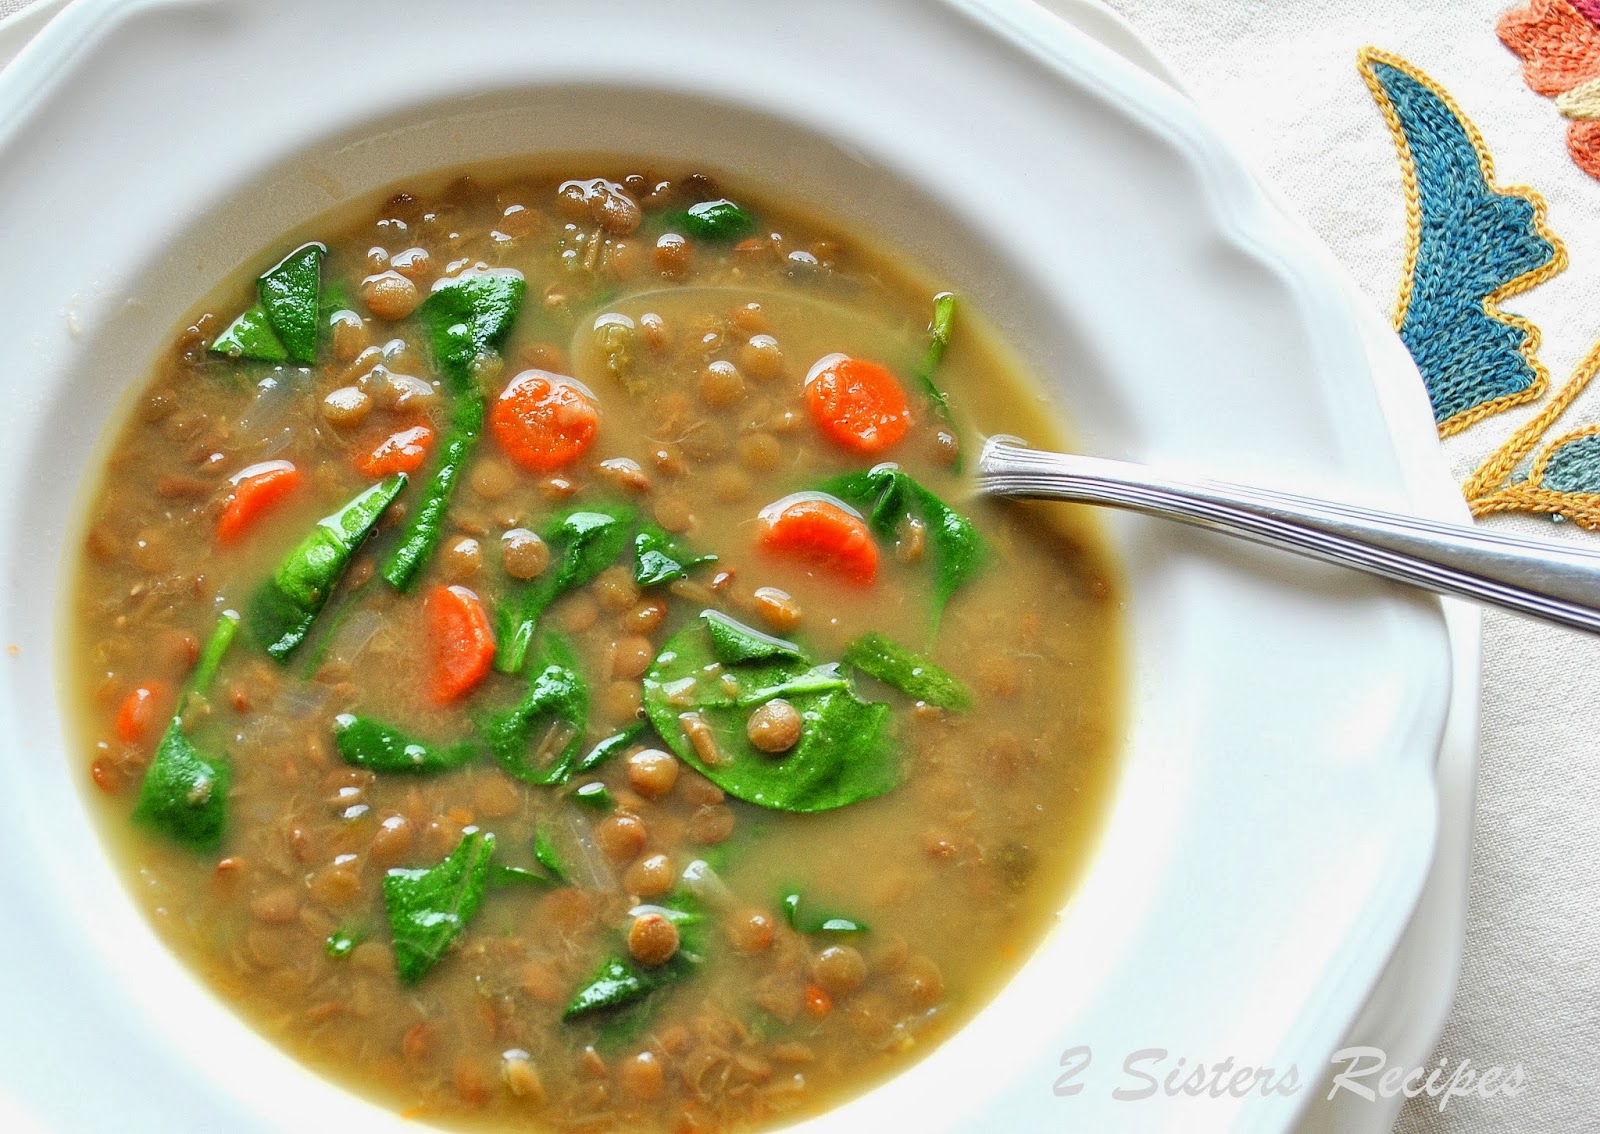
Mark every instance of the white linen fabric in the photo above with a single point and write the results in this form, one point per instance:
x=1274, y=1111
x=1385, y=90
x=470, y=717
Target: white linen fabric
x=1281, y=81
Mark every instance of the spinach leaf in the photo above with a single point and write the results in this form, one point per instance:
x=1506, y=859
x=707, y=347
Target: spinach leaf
x=944, y=315
x=552, y=715
x=582, y=543
x=593, y=794
x=817, y=923
x=620, y=982
x=700, y=706
x=587, y=542
x=426, y=527
x=250, y=336
x=367, y=743
x=341, y=943
x=719, y=220
x=289, y=293
x=185, y=791
x=429, y=908
x=502, y=876
x=282, y=326
x=733, y=642
x=465, y=317
x=544, y=853
x=212, y=653
x=658, y=558
x=609, y=747
x=335, y=298
x=468, y=316
x=887, y=496
x=288, y=603
x=911, y=673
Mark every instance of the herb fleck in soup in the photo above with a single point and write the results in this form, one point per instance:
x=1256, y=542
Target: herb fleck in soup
x=541, y=658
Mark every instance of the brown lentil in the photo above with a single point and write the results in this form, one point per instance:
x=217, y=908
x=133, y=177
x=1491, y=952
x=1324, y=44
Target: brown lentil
x=463, y=558
x=751, y=931
x=650, y=877
x=774, y=727
x=777, y=608
x=761, y=358
x=673, y=254
x=839, y=969
x=652, y=772
x=390, y=296
x=523, y=554
x=621, y=837
x=652, y=939
x=642, y=1077
x=721, y=385
x=346, y=406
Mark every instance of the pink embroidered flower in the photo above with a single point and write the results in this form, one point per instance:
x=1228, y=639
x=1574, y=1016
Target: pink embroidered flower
x=1559, y=46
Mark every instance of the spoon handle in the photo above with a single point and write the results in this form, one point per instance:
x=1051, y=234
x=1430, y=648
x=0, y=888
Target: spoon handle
x=1546, y=580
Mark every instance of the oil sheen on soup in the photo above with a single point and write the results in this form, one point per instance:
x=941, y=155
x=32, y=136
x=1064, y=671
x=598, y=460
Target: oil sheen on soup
x=540, y=656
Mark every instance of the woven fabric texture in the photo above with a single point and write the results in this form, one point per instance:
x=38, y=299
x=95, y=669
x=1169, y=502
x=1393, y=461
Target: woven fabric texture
x=1281, y=80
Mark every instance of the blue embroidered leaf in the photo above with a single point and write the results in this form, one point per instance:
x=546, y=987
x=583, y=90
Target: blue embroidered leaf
x=1474, y=242
x=1574, y=466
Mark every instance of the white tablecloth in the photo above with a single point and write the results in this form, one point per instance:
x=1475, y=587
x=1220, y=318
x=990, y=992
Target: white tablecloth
x=1280, y=78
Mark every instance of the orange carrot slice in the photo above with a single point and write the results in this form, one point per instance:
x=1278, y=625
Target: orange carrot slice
x=856, y=403
x=821, y=530
x=399, y=452
x=544, y=421
x=461, y=639
x=256, y=491
x=141, y=712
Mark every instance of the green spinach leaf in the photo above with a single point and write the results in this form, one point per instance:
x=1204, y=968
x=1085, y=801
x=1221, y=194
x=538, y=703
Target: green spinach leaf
x=185, y=791
x=425, y=528
x=544, y=853
x=944, y=317
x=609, y=747
x=887, y=496
x=621, y=982
x=817, y=923
x=288, y=603
x=539, y=738
x=501, y=877
x=658, y=558
x=719, y=220
x=909, y=672
x=466, y=318
x=341, y=943
x=582, y=543
x=733, y=642
x=184, y=794
x=618, y=982
x=845, y=753
x=367, y=743
x=289, y=293
x=429, y=908
x=250, y=336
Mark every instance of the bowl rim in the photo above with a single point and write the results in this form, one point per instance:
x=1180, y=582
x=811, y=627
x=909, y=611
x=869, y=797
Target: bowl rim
x=999, y=16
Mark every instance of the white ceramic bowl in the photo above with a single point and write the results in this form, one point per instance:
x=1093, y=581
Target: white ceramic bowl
x=1275, y=812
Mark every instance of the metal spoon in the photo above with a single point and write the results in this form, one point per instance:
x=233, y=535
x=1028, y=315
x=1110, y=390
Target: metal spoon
x=1547, y=580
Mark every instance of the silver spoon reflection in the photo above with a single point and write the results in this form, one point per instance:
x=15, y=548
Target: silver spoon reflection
x=1547, y=580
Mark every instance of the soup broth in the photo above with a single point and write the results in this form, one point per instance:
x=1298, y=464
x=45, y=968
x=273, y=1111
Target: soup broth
x=695, y=864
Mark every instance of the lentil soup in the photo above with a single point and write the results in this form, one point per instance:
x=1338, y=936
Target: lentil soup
x=515, y=611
